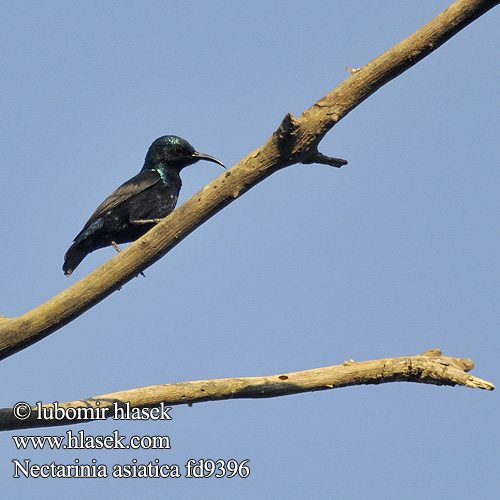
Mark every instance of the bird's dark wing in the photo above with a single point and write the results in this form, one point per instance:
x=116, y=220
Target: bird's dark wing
x=143, y=180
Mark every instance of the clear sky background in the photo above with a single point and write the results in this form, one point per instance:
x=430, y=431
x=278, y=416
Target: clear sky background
x=395, y=254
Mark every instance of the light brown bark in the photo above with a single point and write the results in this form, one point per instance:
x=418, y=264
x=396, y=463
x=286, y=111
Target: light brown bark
x=431, y=367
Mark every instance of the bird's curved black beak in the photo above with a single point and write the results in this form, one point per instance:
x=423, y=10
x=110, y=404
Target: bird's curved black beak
x=202, y=156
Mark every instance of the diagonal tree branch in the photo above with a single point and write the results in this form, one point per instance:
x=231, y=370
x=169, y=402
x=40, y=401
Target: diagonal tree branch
x=431, y=367
x=295, y=141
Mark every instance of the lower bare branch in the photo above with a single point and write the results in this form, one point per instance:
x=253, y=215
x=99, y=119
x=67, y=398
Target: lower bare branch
x=431, y=367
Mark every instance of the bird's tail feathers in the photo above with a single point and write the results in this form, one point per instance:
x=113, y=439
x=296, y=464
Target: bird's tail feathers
x=72, y=259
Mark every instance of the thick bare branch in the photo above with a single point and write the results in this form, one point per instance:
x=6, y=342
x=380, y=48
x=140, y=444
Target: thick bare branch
x=431, y=367
x=295, y=141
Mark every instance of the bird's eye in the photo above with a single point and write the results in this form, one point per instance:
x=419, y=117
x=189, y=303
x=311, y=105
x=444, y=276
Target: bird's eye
x=177, y=151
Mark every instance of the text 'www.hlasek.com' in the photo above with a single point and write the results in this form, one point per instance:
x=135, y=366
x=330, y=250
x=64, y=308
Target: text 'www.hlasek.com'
x=55, y=414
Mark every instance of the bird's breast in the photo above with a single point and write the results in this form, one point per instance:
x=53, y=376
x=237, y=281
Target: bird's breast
x=164, y=204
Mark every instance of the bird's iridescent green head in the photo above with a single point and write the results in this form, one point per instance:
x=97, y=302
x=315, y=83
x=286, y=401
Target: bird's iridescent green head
x=171, y=151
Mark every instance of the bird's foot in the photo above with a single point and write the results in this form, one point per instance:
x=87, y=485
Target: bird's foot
x=116, y=247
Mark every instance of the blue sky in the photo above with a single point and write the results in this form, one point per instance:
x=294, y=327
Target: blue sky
x=395, y=254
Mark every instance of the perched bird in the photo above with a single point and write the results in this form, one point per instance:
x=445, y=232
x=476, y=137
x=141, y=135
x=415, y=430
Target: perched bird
x=138, y=204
